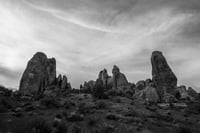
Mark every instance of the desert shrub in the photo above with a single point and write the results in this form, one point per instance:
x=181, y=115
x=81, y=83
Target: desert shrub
x=74, y=129
x=60, y=127
x=37, y=125
x=50, y=102
x=68, y=104
x=7, y=103
x=92, y=121
x=6, y=92
x=193, y=108
x=101, y=105
x=183, y=130
x=107, y=129
x=3, y=108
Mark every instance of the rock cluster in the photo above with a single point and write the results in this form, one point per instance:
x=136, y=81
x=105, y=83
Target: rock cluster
x=40, y=74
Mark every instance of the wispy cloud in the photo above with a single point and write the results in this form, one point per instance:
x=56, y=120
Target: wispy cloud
x=86, y=36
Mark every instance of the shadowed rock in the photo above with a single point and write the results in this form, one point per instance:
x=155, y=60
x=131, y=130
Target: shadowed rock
x=162, y=75
x=119, y=79
x=39, y=73
x=64, y=83
x=192, y=92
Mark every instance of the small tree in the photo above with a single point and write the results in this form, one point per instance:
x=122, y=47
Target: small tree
x=98, y=90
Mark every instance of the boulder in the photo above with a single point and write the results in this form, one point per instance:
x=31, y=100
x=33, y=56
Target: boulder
x=148, y=82
x=39, y=73
x=163, y=77
x=140, y=85
x=119, y=79
x=149, y=94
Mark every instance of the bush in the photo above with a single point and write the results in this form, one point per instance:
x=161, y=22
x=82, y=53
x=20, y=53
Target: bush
x=60, y=127
x=50, y=102
x=92, y=121
x=183, y=130
x=37, y=125
x=101, y=105
x=98, y=91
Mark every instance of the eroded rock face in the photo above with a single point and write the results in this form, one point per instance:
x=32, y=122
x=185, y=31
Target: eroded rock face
x=192, y=92
x=39, y=73
x=64, y=82
x=119, y=79
x=59, y=80
x=140, y=85
x=163, y=77
x=51, y=71
x=149, y=94
x=107, y=80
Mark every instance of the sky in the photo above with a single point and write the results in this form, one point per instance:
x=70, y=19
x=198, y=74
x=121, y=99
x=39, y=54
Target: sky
x=86, y=36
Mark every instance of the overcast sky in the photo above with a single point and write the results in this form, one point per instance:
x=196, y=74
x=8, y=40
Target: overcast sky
x=86, y=36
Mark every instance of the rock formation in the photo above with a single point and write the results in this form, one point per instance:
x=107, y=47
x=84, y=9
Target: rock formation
x=64, y=83
x=40, y=73
x=51, y=72
x=162, y=75
x=107, y=80
x=119, y=79
x=183, y=92
x=192, y=92
x=149, y=94
x=140, y=85
x=88, y=86
x=59, y=80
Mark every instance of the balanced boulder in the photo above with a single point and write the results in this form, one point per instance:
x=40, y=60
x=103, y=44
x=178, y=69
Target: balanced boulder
x=162, y=75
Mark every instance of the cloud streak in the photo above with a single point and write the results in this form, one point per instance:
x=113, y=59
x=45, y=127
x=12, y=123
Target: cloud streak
x=86, y=36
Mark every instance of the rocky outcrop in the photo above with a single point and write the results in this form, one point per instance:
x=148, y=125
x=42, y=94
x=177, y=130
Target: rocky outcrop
x=119, y=79
x=183, y=92
x=192, y=92
x=64, y=83
x=50, y=72
x=88, y=86
x=59, y=80
x=140, y=85
x=162, y=75
x=149, y=94
x=39, y=73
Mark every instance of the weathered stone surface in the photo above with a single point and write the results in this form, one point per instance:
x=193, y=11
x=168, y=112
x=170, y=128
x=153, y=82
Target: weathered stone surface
x=149, y=94
x=192, y=92
x=183, y=93
x=148, y=82
x=140, y=85
x=38, y=74
x=107, y=80
x=119, y=79
x=162, y=75
x=51, y=72
x=64, y=83
x=88, y=86
x=59, y=80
